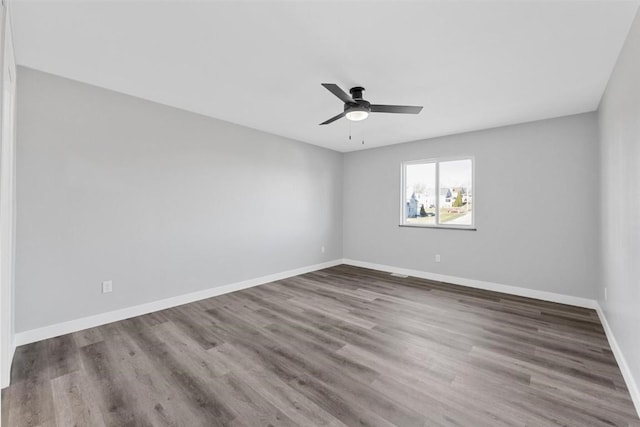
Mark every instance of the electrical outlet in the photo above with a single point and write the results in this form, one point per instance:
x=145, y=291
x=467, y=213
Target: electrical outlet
x=322, y=249
x=437, y=257
x=107, y=286
x=605, y=294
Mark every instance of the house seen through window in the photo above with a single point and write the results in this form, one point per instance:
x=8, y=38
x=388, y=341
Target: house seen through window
x=438, y=193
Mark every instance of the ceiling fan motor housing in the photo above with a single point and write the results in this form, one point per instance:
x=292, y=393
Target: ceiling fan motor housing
x=358, y=105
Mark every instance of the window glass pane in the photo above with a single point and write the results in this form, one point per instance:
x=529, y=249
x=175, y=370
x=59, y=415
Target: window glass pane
x=420, y=194
x=456, y=192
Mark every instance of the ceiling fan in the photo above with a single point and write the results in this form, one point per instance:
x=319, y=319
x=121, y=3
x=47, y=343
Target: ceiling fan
x=356, y=108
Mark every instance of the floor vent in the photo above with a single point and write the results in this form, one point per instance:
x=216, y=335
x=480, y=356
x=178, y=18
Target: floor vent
x=404, y=276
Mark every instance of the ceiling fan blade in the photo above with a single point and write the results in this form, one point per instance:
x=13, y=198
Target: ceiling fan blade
x=333, y=119
x=335, y=89
x=402, y=109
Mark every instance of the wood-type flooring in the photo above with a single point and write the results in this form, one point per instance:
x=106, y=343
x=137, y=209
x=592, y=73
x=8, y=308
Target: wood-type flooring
x=340, y=346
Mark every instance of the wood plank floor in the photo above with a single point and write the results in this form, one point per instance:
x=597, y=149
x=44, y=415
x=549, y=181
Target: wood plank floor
x=341, y=346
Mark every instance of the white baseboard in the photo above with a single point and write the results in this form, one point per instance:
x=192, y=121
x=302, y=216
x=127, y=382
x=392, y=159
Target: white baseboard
x=12, y=352
x=479, y=284
x=5, y=377
x=76, y=325
x=629, y=380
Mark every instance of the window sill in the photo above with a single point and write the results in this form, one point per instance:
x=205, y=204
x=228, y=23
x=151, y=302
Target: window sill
x=441, y=227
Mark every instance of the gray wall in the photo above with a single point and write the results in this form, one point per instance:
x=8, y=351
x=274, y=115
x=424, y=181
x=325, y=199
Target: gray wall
x=165, y=202
x=161, y=201
x=536, y=200
x=619, y=118
x=7, y=195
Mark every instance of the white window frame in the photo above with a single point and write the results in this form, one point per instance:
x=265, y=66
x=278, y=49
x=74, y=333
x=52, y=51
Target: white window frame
x=437, y=161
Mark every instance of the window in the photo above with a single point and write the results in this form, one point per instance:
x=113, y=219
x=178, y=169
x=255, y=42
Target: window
x=438, y=193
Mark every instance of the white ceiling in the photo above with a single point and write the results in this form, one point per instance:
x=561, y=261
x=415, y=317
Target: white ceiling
x=473, y=65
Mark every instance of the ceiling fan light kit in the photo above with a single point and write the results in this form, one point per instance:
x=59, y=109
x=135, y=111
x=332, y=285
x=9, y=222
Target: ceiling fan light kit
x=357, y=114
x=357, y=108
